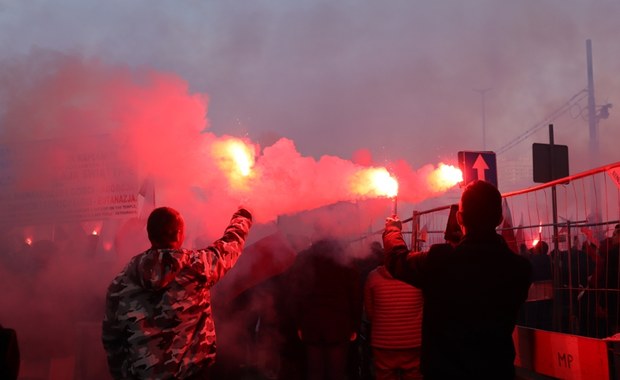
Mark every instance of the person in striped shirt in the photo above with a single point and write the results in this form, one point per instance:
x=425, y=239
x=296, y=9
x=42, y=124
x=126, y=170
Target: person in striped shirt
x=394, y=310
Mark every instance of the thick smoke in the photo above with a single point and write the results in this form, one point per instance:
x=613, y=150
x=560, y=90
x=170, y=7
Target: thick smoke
x=150, y=124
x=296, y=80
x=89, y=149
x=307, y=85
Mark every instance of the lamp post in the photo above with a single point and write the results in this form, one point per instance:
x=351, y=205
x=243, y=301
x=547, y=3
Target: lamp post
x=484, y=116
x=592, y=120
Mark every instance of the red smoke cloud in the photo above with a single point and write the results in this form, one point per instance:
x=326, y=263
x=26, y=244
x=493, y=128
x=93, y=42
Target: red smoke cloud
x=77, y=134
x=159, y=130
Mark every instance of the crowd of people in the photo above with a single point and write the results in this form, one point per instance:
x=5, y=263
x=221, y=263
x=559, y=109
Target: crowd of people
x=607, y=280
x=581, y=281
x=389, y=313
x=445, y=313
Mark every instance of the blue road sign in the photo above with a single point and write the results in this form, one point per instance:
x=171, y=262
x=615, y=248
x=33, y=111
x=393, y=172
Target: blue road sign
x=478, y=165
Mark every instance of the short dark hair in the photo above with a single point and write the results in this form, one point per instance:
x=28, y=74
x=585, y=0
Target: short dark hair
x=481, y=206
x=541, y=247
x=163, y=225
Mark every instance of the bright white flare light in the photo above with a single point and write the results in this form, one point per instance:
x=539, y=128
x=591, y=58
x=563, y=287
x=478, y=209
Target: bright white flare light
x=235, y=158
x=242, y=157
x=375, y=182
x=445, y=177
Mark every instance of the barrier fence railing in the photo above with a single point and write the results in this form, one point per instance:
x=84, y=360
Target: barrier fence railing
x=570, y=242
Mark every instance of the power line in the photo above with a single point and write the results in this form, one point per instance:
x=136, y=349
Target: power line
x=575, y=99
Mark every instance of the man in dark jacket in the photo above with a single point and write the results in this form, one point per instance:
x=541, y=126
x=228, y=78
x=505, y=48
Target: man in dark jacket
x=472, y=292
x=327, y=307
x=158, y=322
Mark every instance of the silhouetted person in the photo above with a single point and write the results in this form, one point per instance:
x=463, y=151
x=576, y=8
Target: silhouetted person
x=370, y=262
x=9, y=354
x=472, y=292
x=362, y=350
x=610, y=283
x=328, y=305
x=575, y=269
x=539, y=309
x=574, y=274
x=158, y=322
x=590, y=324
x=523, y=251
x=541, y=262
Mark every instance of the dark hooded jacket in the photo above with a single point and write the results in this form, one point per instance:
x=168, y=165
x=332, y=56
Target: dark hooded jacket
x=472, y=295
x=327, y=298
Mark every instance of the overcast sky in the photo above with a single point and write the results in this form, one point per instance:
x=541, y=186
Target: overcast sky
x=317, y=85
x=398, y=78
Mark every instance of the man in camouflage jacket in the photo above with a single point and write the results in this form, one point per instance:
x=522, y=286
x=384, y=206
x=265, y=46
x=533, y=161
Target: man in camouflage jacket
x=158, y=322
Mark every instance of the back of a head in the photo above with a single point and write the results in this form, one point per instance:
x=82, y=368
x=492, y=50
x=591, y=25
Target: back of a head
x=481, y=206
x=615, y=235
x=541, y=248
x=163, y=226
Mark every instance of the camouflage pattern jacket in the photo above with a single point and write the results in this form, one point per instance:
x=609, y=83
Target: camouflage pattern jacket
x=158, y=322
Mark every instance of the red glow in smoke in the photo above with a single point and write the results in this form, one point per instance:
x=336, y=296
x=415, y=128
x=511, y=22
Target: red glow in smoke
x=445, y=177
x=374, y=182
x=539, y=237
x=160, y=132
x=235, y=158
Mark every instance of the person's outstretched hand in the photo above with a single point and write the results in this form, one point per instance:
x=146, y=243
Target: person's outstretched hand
x=393, y=221
x=245, y=211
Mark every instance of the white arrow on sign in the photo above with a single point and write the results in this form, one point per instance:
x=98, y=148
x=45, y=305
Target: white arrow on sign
x=480, y=166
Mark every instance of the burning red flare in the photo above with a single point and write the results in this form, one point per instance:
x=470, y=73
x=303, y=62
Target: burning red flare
x=539, y=238
x=236, y=159
x=373, y=182
x=445, y=177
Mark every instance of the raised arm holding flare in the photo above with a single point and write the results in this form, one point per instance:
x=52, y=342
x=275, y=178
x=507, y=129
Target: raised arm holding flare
x=472, y=292
x=158, y=322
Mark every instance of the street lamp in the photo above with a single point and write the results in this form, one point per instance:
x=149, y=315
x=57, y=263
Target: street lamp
x=484, y=117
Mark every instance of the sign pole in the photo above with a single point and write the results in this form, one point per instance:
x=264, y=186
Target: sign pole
x=557, y=311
